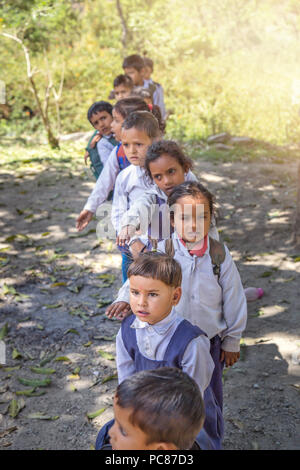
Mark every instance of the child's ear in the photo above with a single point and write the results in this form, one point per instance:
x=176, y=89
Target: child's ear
x=165, y=446
x=177, y=295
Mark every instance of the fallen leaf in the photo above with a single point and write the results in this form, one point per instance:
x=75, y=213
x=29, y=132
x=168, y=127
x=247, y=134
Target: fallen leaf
x=58, y=284
x=95, y=413
x=63, y=358
x=109, y=377
x=106, y=355
x=35, y=382
x=42, y=370
x=4, y=331
x=52, y=305
x=15, y=407
x=72, y=330
x=39, y=415
x=7, y=431
x=16, y=354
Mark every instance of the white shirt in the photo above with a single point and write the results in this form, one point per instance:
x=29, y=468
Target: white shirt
x=104, y=148
x=217, y=307
x=131, y=183
x=105, y=183
x=152, y=341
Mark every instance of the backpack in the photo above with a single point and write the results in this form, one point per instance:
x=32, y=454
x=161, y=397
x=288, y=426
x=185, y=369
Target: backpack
x=122, y=159
x=96, y=163
x=216, y=252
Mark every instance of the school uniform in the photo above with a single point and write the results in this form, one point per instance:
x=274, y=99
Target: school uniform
x=115, y=163
x=218, y=307
x=105, y=147
x=131, y=183
x=171, y=342
x=158, y=95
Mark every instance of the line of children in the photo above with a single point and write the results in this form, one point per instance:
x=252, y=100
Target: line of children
x=188, y=303
x=212, y=293
x=115, y=163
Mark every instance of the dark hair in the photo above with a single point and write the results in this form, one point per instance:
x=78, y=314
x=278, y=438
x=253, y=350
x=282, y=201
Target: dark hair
x=134, y=61
x=148, y=63
x=143, y=121
x=169, y=147
x=191, y=188
x=141, y=92
x=158, y=266
x=130, y=104
x=98, y=107
x=166, y=405
x=123, y=80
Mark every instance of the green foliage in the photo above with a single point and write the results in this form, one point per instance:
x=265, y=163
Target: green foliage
x=224, y=65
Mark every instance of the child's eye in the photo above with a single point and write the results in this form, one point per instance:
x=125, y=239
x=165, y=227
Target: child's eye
x=157, y=177
x=171, y=171
x=134, y=292
x=153, y=294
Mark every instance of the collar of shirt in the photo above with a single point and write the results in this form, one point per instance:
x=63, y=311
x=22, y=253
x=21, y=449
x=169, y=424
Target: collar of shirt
x=160, y=327
x=181, y=247
x=199, y=249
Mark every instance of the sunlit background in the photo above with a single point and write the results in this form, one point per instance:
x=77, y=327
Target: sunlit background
x=226, y=65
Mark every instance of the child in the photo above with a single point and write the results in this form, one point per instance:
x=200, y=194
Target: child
x=159, y=409
x=102, y=141
x=166, y=166
x=148, y=68
x=134, y=66
x=123, y=86
x=156, y=336
x=139, y=130
x=115, y=163
x=212, y=293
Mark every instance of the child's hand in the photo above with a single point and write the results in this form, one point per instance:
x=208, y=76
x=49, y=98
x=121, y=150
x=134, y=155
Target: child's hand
x=83, y=219
x=119, y=310
x=229, y=357
x=125, y=234
x=136, y=248
x=95, y=140
x=86, y=156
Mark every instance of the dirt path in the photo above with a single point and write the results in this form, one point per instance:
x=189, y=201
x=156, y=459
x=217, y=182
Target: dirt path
x=55, y=285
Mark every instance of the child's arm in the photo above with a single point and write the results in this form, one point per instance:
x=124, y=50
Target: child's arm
x=120, y=308
x=198, y=363
x=120, y=202
x=139, y=215
x=234, y=309
x=102, y=188
x=125, y=364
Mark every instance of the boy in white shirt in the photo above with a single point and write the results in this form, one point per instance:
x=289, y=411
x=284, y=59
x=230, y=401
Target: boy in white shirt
x=156, y=336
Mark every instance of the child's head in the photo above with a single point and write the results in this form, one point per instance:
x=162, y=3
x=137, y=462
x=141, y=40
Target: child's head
x=143, y=93
x=123, y=86
x=148, y=68
x=191, y=208
x=139, y=130
x=100, y=116
x=122, y=109
x=166, y=164
x=158, y=409
x=133, y=65
x=155, y=286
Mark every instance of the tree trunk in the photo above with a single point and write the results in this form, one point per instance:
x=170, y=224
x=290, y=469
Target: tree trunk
x=125, y=30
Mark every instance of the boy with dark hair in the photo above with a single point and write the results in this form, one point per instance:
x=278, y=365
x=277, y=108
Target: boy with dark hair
x=155, y=336
x=155, y=410
x=123, y=86
x=134, y=66
x=102, y=141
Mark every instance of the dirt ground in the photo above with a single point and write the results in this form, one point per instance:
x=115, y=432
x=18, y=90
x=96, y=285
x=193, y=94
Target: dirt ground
x=55, y=284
